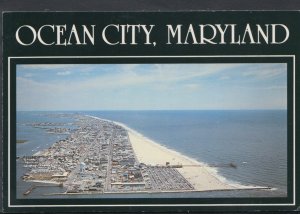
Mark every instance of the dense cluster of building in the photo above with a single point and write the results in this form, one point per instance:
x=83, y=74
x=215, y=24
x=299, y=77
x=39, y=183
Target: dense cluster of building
x=98, y=157
x=55, y=128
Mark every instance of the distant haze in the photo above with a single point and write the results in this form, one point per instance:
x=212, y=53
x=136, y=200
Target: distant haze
x=151, y=86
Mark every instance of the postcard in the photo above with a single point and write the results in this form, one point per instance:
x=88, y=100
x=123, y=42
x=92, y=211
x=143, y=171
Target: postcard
x=150, y=111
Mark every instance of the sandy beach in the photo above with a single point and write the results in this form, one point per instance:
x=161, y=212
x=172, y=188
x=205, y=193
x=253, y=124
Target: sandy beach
x=199, y=176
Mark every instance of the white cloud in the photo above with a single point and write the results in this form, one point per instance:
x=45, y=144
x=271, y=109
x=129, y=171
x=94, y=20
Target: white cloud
x=64, y=73
x=265, y=71
x=28, y=75
x=192, y=87
x=224, y=78
x=129, y=67
x=131, y=75
x=170, y=73
x=46, y=66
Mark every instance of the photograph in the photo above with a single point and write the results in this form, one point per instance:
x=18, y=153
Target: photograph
x=151, y=130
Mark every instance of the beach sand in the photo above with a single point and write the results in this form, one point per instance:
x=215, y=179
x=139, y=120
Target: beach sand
x=201, y=176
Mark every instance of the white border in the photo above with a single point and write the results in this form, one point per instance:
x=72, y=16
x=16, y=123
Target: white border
x=156, y=205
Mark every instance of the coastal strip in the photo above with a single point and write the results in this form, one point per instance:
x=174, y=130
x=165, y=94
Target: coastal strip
x=196, y=173
x=201, y=176
x=103, y=156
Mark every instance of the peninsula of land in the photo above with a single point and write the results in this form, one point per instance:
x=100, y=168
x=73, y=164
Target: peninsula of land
x=103, y=156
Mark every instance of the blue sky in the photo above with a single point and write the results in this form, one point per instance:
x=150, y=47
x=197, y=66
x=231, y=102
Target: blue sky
x=151, y=86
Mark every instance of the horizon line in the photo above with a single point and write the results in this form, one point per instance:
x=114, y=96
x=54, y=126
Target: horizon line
x=258, y=109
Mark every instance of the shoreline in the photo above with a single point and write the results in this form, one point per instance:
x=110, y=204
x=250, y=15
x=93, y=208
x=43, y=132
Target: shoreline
x=201, y=176
x=152, y=153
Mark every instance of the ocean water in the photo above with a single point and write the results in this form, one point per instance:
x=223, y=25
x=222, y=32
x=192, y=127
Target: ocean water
x=254, y=140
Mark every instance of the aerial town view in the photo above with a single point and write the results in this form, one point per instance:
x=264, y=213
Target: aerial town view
x=102, y=156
